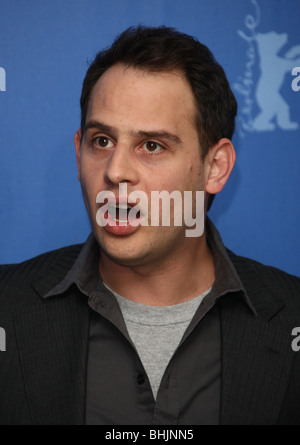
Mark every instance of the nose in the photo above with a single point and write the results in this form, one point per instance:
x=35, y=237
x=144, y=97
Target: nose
x=121, y=166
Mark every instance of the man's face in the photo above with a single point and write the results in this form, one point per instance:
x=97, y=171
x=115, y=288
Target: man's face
x=140, y=132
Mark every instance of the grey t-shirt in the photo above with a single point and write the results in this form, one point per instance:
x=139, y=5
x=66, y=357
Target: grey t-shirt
x=156, y=332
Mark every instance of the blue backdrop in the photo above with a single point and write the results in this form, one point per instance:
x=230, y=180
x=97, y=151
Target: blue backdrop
x=45, y=47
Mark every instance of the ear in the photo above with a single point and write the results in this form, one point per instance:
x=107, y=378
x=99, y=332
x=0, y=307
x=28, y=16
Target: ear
x=77, y=143
x=218, y=165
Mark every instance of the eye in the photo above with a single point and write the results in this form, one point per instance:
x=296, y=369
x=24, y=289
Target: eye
x=152, y=146
x=102, y=142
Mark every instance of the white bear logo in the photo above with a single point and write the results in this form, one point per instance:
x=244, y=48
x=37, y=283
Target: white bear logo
x=273, y=69
x=265, y=52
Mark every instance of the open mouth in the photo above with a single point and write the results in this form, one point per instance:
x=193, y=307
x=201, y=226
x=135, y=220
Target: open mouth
x=121, y=213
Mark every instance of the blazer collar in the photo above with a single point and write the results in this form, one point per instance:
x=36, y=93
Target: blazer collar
x=53, y=342
x=257, y=358
x=52, y=338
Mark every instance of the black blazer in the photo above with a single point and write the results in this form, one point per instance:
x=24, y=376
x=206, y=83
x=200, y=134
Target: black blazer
x=43, y=370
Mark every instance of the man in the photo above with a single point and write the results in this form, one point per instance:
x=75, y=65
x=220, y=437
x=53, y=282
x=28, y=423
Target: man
x=147, y=323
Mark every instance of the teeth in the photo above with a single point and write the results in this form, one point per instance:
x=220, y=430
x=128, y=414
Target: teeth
x=124, y=206
x=117, y=208
x=121, y=206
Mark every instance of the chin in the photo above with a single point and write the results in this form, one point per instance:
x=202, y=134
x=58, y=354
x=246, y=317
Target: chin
x=122, y=252
x=142, y=248
x=126, y=259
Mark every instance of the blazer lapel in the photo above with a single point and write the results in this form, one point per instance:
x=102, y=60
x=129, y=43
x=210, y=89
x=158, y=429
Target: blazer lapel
x=257, y=358
x=52, y=340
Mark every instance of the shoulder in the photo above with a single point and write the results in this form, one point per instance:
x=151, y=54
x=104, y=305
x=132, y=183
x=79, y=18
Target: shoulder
x=264, y=278
x=65, y=255
x=267, y=272
x=16, y=279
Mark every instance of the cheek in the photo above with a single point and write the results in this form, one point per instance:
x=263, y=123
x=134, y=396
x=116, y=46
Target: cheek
x=90, y=187
x=185, y=177
x=90, y=175
x=195, y=175
x=87, y=195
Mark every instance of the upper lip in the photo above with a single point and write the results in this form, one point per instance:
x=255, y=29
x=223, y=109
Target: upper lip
x=116, y=200
x=119, y=202
x=122, y=202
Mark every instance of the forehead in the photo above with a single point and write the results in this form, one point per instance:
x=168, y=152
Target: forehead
x=137, y=95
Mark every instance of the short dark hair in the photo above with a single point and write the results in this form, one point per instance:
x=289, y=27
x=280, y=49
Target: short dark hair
x=161, y=49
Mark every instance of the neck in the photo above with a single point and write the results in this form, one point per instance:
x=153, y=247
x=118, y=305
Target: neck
x=174, y=280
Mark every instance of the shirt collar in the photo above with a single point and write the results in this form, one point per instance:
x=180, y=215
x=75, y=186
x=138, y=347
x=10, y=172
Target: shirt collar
x=227, y=279
x=85, y=271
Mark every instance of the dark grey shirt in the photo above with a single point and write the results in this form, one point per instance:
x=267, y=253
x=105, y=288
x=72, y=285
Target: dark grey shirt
x=118, y=390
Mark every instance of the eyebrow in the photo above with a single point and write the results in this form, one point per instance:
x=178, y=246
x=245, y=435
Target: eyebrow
x=161, y=134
